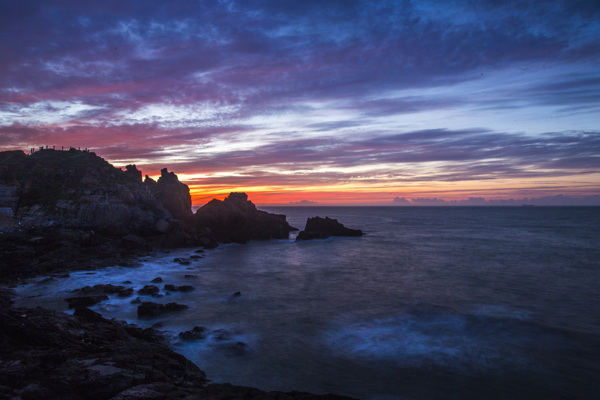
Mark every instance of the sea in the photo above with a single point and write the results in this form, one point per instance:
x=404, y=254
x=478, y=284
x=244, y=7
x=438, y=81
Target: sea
x=431, y=303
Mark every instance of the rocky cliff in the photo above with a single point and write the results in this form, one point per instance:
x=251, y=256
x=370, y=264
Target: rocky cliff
x=174, y=195
x=63, y=210
x=81, y=190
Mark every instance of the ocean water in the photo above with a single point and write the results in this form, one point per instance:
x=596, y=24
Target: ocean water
x=432, y=303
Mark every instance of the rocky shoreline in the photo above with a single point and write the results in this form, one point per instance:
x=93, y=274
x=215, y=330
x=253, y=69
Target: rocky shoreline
x=66, y=211
x=52, y=355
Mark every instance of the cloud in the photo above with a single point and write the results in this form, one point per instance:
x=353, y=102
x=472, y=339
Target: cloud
x=401, y=201
x=309, y=92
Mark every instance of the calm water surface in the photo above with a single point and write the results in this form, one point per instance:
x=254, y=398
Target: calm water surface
x=487, y=302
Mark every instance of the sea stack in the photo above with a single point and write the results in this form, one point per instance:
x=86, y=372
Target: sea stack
x=322, y=228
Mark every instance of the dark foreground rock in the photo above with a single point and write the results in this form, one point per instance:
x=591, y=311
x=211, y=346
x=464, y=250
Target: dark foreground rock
x=47, y=354
x=148, y=309
x=150, y=290
x=182, y=288
x=197, y=333
x=90, y=295
x=322, y=228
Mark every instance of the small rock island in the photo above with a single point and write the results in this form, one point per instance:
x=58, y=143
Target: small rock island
x=322, y=228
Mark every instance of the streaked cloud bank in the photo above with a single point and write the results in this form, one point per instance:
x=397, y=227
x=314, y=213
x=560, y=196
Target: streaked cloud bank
x=336, y=102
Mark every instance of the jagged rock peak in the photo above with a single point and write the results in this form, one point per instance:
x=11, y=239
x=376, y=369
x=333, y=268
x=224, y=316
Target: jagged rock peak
x=166, y=175
x=132, y=171
x=174, y=194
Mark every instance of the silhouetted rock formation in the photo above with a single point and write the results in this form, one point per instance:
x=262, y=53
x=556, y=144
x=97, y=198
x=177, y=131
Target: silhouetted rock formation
x=321, y=228
x=78, y=189
x=173, y=194
x=236, y=219
x=63, y=210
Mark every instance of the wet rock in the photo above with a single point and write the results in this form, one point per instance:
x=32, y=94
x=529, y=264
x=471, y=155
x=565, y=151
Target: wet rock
x=158, y=279
x=137, y=300
x=85, y=301
x=195, y=257
x=150, y=290
x=182, y=261
x=189, y=276
x=125, y=292
x=89, y=295
x=52, y=355
x=183, y=288
x=126, y=282
x=237, y=294
x=322, y=228
x=149, y=309
x=197, y=333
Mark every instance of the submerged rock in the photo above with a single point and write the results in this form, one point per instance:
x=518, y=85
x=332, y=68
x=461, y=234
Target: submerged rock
x=182, y=288
x=197, y=333
x=150, y=290
x=322, y=228
x=237, y=349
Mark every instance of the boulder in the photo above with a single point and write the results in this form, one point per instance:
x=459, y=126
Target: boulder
x=149, y=309
x=89, y=295
x=321, y=228
x=150, y=290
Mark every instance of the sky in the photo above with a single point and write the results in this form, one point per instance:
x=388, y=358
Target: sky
x=316, y=102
